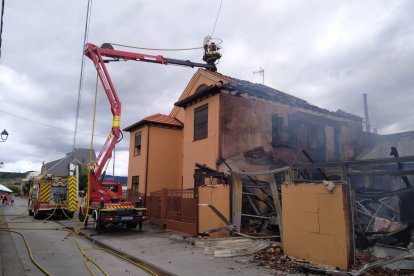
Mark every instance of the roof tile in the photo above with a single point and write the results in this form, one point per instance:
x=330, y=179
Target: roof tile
x=157, y=119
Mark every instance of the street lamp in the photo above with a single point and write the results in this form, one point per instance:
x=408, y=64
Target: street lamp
x=4, y=135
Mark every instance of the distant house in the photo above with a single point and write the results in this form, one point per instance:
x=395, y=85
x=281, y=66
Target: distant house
x=60, y=167
x=249, y=126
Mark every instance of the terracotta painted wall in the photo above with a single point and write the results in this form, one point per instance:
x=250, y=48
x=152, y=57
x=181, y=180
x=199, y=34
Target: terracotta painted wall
x=246, y=124
x=137, y=164
x=316, y=224
x=203, y=151
x=217, y=196
x=200, y=78
x=165, y=159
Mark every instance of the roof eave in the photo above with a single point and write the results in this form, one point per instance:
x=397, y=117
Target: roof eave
x=210, y=90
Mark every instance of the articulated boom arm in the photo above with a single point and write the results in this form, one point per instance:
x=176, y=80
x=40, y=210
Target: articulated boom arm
x=97, y=54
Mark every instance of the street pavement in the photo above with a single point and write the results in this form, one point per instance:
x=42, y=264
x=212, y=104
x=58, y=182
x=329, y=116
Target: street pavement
x=170, y=252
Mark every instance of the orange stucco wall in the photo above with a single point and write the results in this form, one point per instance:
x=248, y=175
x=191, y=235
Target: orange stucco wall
x=203, y=151
x=137, y=164
x=165, y=159
x=316, y=224
x=217, y=196
x=173, y=153
x=199, y=78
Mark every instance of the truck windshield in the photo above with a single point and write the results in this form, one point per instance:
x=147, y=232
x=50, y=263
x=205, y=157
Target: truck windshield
x=113, y=188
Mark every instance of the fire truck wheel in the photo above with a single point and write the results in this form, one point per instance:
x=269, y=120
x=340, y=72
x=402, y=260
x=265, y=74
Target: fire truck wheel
x=29, y=208
x=81, y=216
x=37, y=215
x=131, y=225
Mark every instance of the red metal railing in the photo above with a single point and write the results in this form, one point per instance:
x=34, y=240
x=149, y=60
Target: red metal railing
x=134, y=196
x=156, y=204
x=181, y=205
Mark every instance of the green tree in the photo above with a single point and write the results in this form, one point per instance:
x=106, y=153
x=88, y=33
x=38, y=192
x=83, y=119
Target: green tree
x=15, y=189
x=83, y=178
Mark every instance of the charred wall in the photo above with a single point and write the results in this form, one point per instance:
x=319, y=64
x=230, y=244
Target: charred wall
x=265, y=133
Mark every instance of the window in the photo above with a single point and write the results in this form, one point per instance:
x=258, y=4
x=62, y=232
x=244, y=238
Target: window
x=278, y=130
x=135, y=183
x=201, y=122
x=137, y=146
x=112, y=187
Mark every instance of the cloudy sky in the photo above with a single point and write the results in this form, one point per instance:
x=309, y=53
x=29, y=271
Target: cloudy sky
x=326, y=52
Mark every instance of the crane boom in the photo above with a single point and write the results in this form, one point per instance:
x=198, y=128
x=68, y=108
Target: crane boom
x=105, y=54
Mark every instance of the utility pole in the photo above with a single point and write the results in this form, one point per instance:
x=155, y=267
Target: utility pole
x=260, y=72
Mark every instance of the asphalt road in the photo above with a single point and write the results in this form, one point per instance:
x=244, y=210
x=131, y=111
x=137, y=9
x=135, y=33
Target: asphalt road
x=54, y=248
x=162, y=252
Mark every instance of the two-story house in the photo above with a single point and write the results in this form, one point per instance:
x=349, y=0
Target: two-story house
x=249, y=126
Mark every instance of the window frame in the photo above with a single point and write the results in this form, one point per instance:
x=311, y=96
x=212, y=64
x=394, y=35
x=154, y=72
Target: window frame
x=137, y=148
x=200, y=123
x=135, y=183
x=278, y=130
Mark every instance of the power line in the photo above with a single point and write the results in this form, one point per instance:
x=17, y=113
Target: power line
x=218, y=13
x=155, y=49
x=43, y=124
x=1, y=24
x=85, y=37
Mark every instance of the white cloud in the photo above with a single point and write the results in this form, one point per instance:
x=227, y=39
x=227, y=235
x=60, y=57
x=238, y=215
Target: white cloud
x=326, y=52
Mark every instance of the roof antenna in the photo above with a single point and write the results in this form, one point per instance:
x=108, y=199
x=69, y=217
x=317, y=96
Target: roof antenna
x=260, y=72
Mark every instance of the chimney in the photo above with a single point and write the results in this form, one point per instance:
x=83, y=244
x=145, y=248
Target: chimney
x=367, y=124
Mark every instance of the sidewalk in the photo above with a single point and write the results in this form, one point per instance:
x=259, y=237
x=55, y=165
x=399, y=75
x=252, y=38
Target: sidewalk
x=175, y=253
x=169, y=251
x=10, y=264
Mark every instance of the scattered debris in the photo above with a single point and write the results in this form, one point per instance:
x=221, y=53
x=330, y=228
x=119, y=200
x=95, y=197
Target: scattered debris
x=386, y=251
x=231, y=247
x=273, y=258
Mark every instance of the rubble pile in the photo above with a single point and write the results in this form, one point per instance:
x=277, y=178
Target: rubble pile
x=273, y=258
x=363, y=257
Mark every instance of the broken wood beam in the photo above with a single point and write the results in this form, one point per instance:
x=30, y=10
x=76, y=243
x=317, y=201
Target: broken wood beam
x=237, y=201
x=278, y=206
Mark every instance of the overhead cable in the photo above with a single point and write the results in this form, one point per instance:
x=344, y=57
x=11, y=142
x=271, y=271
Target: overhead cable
x=43, y=124
x=218, y=13
x=1, y=24
x=154, y=49
x=85, y=37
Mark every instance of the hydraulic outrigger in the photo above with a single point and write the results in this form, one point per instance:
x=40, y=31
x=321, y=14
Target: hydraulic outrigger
x=105, y=197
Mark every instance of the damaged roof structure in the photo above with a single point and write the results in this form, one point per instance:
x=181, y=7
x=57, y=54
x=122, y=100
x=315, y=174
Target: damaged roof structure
x=222, y=127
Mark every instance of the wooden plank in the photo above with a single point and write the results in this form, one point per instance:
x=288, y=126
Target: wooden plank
x=355, y=162
x=242, y=250
x=237, y=201
x=276, y=200
x=278, y=170
x=217, y=212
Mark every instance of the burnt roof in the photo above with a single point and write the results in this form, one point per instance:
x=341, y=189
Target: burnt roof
x=158, y=119
x=261, y=91
x=271, y=94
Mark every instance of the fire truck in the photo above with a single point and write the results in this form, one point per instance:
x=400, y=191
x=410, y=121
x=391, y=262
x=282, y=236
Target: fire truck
x=104, y=198
x=50, y=195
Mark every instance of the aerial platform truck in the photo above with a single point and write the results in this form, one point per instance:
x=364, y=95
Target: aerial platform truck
x=104, y=199
x=51, y=195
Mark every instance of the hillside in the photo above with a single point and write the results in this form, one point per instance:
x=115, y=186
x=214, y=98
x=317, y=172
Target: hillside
x=11, y=178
